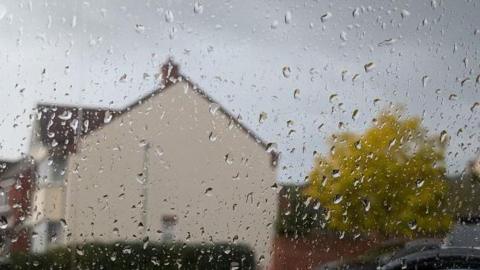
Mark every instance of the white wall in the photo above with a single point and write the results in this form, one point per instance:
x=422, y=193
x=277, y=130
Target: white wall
x=214, y=199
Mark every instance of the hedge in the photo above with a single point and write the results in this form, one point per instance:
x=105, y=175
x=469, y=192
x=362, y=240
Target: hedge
x=137, y=255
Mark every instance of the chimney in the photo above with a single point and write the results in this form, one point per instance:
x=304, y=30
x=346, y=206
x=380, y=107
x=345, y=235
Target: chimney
x=169, y=73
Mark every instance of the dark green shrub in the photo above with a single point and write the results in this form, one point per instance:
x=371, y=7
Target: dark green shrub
x=137, y=255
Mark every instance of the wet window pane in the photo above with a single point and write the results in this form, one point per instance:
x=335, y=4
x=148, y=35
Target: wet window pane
x=239, y=134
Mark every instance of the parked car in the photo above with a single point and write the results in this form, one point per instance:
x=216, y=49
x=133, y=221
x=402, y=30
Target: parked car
x=419, y=254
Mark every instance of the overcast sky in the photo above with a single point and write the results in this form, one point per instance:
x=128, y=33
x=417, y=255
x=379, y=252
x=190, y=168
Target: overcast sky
x=237, y=50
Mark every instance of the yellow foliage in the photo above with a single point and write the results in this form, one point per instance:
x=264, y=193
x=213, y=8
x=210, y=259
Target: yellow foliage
x=389, y=180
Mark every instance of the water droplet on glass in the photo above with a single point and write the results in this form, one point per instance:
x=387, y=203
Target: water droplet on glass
x=387, y=42
x=332, y=97
x=368, y=67
x=425, y=80
x=208, y=191
x=3, y=11
x=420, y=183
x=74, y=124
x=271, y=147
x=452, y=97
x=139, y=28
x=475, y=105
x=66, y=115
x=212, y=137
x=404, y=13
x=366, y=205
x=169, y=16
x=54, y=143
x=74, y=21
x=412, y=225
x=326, y=16
x=262, y=117
x=354, y=114
x=3, y=222
x=213, y=108
x=338, y=199
x=336, y=173
x=343, y=36
x=358, y=145
x=464, y=81
x=443, y=136
x=288, y=17
x=79, y=252
x=197, y=7
x=108, y=117
x=296, y=93
x=228, y=159
x=286, y=71
x=356, y=12
x=274, y=24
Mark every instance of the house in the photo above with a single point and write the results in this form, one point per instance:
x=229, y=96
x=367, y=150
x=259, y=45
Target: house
x=56, y=131
x=174, y=166
x=16, y=182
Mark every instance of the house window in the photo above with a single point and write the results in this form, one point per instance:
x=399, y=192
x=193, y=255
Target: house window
x=3, y=197
x=54, y=231
x=168, y=227
x=52, y=170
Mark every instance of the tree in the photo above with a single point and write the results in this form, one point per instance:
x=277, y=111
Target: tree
x=390, y=180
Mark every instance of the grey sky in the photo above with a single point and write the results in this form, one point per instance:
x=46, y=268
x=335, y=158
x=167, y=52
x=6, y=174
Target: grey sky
x=235, y=51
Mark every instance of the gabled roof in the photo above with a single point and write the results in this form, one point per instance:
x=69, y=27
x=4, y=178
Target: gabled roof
x=170, y=74
x=61, y=125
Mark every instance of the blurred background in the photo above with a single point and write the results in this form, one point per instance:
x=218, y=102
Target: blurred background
x=238, y=134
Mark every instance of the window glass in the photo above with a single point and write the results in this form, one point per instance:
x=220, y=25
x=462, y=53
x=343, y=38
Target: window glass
x=227, y=134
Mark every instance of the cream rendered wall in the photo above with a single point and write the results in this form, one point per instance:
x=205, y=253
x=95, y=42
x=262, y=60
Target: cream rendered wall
x=188, y=175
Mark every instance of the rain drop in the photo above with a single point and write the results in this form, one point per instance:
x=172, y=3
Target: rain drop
x=366, y=205
x=66, y=115
x=197, y=7
x=108, y=117
x=288, y=17
x=271, y=147
x=475, y=105
x=443, y=136
x=354, y=114
x=412, y=225
x=325, y=17
x=228, y=159
x=387, y=42
x=404, y=13
x=3, y=11
x=212, y=137
x=369, y=66
x=262, y=117
x=336, y=173
x=169, y=16
x=338, y=199
x=139, y=28
x=425, y=80
x=286, y=71
x=420, y=183
x=274, y=24
x=296, y=93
